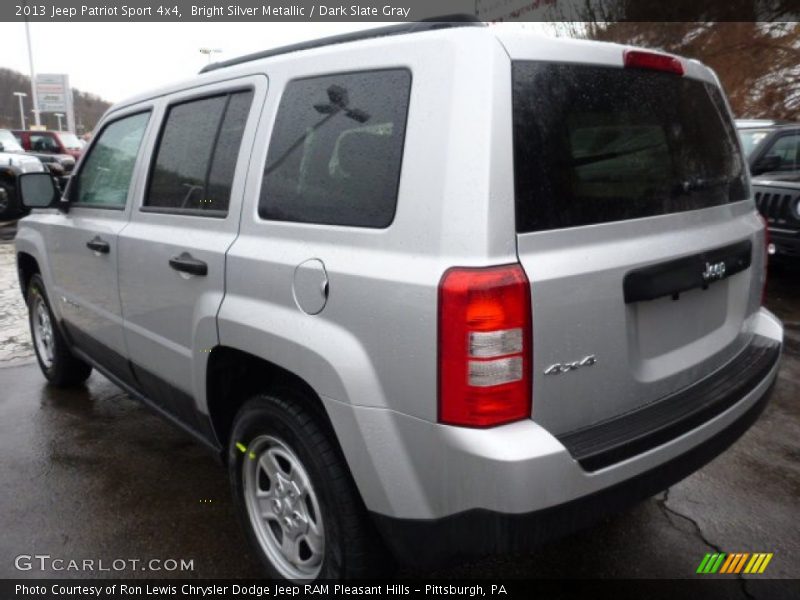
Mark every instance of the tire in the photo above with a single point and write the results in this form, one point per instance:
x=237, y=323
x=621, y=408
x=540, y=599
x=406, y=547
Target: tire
x=328, y=531
x=8, y=207
x=59, y=366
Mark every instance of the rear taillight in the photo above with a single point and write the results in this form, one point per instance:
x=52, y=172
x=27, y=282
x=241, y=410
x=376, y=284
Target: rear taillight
x=768, y=249
x=484, y=346
x=639, y=59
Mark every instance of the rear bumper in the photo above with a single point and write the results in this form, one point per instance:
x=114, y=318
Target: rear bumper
x=637, y=431
x=438, y=491
x=481, y=532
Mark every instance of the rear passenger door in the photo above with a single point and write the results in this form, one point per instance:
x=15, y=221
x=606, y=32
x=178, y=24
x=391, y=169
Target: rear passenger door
x=172, y=270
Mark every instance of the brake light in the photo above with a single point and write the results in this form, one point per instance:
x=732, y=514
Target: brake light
x=484, y=346
x=768, y=249
x=639, y=59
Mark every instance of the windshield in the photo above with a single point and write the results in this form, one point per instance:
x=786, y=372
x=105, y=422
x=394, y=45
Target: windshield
x=70, y=140
x=600, y=144
x=751, y=138
x=10, y=143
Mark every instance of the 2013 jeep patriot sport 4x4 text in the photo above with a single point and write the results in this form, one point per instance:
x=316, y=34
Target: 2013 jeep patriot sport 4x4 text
x=437, y=290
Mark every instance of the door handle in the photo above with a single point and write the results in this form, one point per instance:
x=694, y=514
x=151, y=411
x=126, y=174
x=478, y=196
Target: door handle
x=97, y=244
x=185, y=263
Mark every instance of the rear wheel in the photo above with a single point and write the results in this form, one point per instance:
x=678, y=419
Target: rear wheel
x=58, y=364
x=296, y=499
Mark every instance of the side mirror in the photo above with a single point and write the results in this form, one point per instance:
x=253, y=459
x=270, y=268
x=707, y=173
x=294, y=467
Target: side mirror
x=771, y=162
x=38, y=190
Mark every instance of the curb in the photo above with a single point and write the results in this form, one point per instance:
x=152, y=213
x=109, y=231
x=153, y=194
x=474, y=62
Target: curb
x=17, y=362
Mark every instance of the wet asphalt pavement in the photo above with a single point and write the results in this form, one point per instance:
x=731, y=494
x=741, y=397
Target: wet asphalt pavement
x=92, y=474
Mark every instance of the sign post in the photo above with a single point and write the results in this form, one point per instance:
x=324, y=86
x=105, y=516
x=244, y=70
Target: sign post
x=33, y=75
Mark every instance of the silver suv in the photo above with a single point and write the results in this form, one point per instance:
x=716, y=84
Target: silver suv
x=429, y=290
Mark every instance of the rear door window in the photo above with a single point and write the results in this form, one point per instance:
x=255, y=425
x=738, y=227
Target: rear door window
x=598, y=144
x=336, y=150
x=197, y=153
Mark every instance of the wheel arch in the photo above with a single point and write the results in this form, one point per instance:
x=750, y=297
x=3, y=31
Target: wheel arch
x=8, y=175
x=27, y=267
x=8, y=180
x=31, y=242
x=233, y=376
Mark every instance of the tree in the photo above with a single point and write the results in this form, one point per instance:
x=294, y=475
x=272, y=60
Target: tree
x=88, y=107
x=757, y=63
x=755, y=54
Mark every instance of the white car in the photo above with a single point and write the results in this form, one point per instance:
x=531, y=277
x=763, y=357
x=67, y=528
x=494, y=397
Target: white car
x=13, y=162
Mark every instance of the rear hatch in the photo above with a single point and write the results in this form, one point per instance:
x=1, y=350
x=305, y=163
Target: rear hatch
x=633, y=225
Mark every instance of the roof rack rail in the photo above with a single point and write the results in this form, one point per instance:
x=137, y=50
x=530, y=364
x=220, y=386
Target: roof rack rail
x=445, y=22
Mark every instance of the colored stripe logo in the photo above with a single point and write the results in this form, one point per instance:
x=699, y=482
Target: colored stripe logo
x=734, y=563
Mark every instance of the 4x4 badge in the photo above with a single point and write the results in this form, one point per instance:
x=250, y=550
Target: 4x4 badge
x=559, y=368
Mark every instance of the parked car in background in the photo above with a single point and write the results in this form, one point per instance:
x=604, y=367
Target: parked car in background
x=59, y=165
x=50, y=142
x=10, y=143
x=773, y=154
x=779, y=203
x=13, y=163
x=753, y=131
x=771, y=147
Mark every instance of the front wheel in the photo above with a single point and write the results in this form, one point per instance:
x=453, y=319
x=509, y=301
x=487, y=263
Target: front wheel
x=58, y=364
x=296, y=499
x=8, y=208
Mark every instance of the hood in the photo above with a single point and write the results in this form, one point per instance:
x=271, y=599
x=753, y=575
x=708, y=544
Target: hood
x=23, y=162
x=64, y=159
x=788, y=177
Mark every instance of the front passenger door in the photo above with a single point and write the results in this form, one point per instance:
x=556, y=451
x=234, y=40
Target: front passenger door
x=83, y=243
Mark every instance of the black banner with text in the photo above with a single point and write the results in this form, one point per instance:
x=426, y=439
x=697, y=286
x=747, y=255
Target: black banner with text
x=399, y=10
x=136, y=589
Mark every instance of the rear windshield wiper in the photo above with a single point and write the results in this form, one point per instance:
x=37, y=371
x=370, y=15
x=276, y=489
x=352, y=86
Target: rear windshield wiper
x=594, y=158
x=687, y=186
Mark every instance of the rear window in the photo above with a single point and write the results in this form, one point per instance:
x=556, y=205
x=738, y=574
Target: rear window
x=599, y=144
x=336, y=150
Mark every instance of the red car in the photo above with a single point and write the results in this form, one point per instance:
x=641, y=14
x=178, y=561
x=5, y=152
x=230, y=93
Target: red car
x=50, y=142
